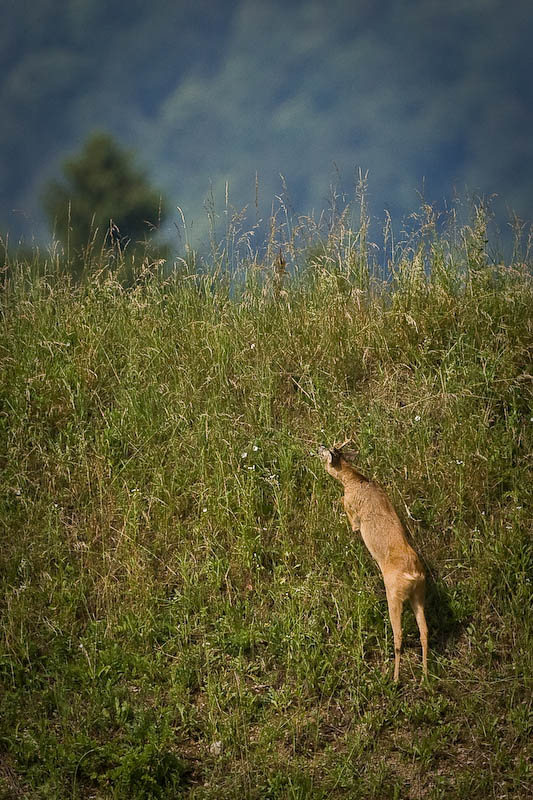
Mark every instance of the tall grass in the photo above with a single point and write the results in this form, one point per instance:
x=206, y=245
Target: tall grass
x=184, y=609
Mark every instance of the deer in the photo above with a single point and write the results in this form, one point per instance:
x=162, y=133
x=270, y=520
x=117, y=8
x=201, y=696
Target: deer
x=371, y=513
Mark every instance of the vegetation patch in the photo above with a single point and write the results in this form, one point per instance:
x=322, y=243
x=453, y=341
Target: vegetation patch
x=185, y=612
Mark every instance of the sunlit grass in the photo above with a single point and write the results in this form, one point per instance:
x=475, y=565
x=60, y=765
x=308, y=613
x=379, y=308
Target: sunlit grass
x=184, y=609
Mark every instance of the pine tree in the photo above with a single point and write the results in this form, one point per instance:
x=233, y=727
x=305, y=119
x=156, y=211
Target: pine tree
x=103, y=197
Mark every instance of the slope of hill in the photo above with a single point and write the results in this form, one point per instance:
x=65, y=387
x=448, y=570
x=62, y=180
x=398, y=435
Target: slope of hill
x=184, y=611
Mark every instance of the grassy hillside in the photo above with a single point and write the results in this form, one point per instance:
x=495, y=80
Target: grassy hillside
x=184, y=609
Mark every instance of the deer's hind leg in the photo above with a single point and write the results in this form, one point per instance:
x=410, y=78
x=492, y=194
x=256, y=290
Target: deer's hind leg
x=417, y=604
x=395, y=604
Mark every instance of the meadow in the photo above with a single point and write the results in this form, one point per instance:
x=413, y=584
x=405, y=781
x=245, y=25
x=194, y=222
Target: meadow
x=184, y=609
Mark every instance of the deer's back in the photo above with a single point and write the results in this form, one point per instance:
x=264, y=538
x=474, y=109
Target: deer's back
x=381, y=529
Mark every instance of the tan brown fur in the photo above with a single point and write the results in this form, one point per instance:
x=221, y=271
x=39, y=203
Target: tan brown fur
x=370, y=511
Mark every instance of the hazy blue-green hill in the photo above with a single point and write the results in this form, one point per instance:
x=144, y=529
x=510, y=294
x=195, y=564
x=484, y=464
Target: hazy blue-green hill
x=426, y=96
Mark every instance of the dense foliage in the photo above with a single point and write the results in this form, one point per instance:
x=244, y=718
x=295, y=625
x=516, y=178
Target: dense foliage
x=184, y=611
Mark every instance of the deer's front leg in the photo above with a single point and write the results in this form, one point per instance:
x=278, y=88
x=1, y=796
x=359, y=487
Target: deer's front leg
x=355, y=522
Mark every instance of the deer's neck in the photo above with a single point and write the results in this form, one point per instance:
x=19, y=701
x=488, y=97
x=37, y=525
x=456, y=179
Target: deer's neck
x=351, y=478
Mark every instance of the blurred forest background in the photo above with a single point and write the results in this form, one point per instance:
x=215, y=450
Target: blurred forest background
x=430, y=97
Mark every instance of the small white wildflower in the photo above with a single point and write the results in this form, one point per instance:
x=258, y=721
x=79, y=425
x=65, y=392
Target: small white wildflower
x=18, y=492
x=252, y=346
x=418, y=418
x=255, y=448
x=519, y=508
x=204, y=510
x=244, y=455
x=459, y=462
x=216, y=748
